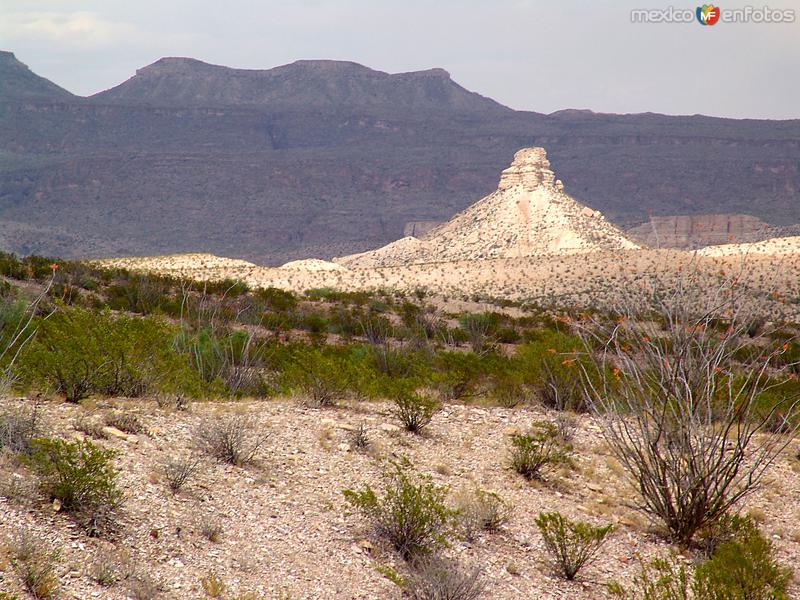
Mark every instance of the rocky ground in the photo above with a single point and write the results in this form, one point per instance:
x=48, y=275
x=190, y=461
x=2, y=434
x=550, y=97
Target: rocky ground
x=285, y=530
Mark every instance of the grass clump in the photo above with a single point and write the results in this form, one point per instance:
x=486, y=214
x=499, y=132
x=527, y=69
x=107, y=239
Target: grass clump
x=571, y=544
x=231, y=439
x=481, y=510
x=411, y=514
x=18, y=429
x=541, y=448
x=178, y=471
x=437, y=578
x=35, y=562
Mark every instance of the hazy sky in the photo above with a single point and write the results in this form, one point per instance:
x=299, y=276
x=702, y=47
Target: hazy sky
x=527, y=54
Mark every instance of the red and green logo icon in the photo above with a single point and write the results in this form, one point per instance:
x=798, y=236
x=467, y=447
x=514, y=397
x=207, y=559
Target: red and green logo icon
x=708, y=14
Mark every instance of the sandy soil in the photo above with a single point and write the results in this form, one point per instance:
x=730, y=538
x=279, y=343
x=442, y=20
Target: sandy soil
x=287, y=532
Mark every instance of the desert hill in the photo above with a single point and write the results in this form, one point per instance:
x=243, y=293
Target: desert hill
x=329, y=158
x=529, y=215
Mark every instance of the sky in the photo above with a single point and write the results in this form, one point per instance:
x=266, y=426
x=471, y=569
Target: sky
x=526, y=54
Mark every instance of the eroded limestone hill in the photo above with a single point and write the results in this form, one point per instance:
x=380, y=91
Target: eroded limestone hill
x=529, y=214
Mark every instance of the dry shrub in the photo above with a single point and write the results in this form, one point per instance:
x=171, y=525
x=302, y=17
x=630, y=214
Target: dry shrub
x=681, y=400
x=232, y=439
x=124, y=421
x=437, y=578
x=481, y=510
x=178, y=471
x=35, y=562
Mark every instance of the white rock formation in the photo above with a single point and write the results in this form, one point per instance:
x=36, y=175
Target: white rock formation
x=528, y=215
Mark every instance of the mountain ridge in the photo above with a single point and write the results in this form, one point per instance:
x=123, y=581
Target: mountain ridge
x=323, y=168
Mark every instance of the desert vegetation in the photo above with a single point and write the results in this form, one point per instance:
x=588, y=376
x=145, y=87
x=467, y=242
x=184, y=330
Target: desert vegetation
x=640, y=450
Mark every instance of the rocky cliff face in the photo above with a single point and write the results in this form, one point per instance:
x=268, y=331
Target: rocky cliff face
x=528, y=215
x=696, y=231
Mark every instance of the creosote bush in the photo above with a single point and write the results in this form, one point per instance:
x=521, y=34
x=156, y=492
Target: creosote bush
x=232, y=439
x=571, y=544
x=743, y=568
x=81, y=476
x=437, y=578
x=411, y=514
x=533, y=452
x=414, y=410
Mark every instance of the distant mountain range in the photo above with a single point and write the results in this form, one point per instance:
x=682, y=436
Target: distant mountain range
x=326, y=158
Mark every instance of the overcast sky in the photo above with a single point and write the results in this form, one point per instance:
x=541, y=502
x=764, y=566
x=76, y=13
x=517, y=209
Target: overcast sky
x=527, y=54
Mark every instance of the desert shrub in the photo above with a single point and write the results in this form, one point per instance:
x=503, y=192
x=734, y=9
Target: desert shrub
x=437, y=578
x=35, y=562
x=213, y=585
x=19, y=428
x=110, y=566
x=411, y=514
x=178, y=471
x=142, y=586
x=481, y=510
x=553, y=366
x=80, y=475
x=323, y=377
x=571, y=544
x=743, y=568
x=124, y=421
x=232, y=439
x=227, y=361
x=211, y=529
x=540, y=449
x=78, y=352
x=481, y=331
x=662, y=578
x=359, y=438
x=682, y=413
x=276, y=299
x=458, y=375
x=414, y=410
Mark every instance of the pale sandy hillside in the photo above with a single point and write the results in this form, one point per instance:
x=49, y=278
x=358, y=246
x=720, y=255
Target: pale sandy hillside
x=528, y=215
x=775, y=246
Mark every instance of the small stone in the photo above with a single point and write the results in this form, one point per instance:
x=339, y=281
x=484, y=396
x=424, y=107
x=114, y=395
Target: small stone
x=56, y=505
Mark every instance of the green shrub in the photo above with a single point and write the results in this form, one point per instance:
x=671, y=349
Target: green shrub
x=535, y=451
x=411, y=515
x=663, y=578
x=78, y=352
x=80, y=475
x=414, y=410
x=743, y=568
x=323, y=377
x=571, y=544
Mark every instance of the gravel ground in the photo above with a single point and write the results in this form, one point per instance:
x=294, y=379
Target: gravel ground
x=286, y=531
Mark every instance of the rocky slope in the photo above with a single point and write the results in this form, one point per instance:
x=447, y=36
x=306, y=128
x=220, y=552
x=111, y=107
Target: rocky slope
x=326, y=158
x=529, y=215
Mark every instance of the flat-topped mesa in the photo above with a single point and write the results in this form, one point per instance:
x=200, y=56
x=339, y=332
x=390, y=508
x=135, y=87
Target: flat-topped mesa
x=529, y=169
